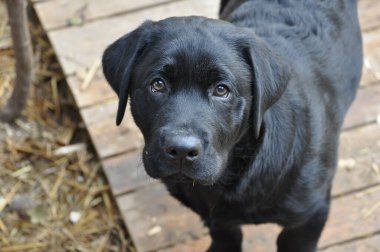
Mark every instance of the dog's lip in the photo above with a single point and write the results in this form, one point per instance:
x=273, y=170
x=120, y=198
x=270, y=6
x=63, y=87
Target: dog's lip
x=183, y=178
x=179, y=177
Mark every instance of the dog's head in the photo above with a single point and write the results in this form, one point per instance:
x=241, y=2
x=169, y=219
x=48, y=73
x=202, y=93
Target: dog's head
x=197, y=86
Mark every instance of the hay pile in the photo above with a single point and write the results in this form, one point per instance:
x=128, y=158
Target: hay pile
x=53, y=195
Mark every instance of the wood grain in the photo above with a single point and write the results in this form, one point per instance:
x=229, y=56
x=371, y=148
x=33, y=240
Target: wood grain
x=126, y=172
x=360, y=148
x=353, y=216
x=156, y=220
x=369, y=14
x=89, y=10
x=260, y=238
x=98, y=91
x=78, y=47
x=365, y=108
x=371, y=67
x=83, y=10
x=108, y=139
x=369, y=244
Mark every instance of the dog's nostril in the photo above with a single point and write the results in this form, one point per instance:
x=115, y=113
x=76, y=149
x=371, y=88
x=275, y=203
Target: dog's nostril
x=192, y=154
x=172, y=152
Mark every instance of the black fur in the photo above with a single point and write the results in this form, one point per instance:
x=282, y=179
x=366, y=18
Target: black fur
x=266, y=151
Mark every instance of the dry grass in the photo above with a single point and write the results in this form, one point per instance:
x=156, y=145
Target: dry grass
x=53, y=195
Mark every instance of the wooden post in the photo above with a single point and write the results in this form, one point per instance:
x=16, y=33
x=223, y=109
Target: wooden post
x=23, y=54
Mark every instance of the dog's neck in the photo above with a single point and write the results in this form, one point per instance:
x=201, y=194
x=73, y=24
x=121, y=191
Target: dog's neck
x=258, y=160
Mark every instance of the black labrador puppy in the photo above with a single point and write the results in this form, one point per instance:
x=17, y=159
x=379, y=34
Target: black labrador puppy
x=241, y=116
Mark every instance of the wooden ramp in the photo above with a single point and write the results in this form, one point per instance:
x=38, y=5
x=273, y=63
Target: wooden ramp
x=80, y=30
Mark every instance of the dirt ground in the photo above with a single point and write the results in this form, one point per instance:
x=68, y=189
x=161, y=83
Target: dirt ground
x=53, y=194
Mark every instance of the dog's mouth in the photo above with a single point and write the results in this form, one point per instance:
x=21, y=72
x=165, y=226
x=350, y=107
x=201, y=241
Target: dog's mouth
x=183, y=178
x=179, y=177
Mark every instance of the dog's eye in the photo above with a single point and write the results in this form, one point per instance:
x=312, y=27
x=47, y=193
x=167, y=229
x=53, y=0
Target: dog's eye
x=221, y=91
x=157, y=85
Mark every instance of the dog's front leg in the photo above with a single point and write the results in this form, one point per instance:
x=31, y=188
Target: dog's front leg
x=304, y=237
x=225, y=239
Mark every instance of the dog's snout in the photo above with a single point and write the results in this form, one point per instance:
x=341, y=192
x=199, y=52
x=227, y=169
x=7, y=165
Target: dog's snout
x=180, y=148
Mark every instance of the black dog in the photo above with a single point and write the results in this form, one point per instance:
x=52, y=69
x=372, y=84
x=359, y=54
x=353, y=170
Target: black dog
x=241, y=116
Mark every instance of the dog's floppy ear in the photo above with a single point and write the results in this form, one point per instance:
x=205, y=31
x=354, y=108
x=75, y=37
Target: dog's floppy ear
x=118, y=61
x=271, y=76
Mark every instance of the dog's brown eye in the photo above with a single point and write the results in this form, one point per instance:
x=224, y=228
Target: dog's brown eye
x=221, y=91
x=157, y=85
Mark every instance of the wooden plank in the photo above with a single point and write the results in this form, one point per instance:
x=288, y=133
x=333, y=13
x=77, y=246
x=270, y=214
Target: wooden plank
x=362, y=142
x=368, y=11
x=369, y=14
x=365, y=108
x=83, y=11
x=108, y=139
x=359, y=156
x=126, y=172
x=371, y=68
x=353, y=216
x=201, y=244
x=261, y=238
x=78, y=47
x=155, y=219
x=98, y=91
x=369, y=244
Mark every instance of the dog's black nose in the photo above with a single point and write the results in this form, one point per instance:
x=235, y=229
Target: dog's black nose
x=181, y=148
